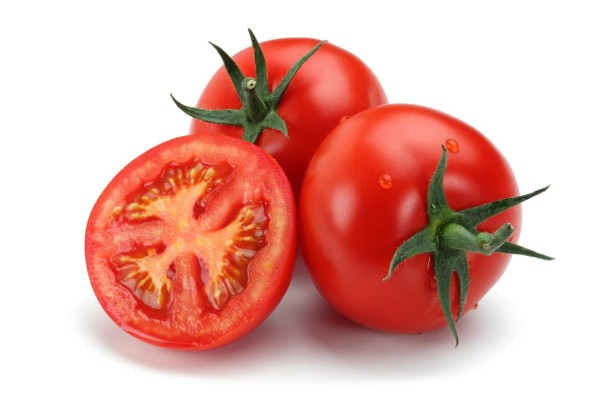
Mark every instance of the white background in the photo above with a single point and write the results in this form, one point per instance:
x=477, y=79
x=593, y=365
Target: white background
x=84, y=88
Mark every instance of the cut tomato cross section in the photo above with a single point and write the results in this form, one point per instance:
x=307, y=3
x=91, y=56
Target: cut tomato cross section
x=192, y=244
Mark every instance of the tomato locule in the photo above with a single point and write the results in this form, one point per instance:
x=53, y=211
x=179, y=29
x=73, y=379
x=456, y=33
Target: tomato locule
x=192, y=245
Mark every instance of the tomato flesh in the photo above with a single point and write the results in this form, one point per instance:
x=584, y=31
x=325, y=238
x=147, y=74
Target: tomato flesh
x=192, y=244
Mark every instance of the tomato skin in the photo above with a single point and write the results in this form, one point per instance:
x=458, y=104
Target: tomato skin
x=185, y=324
x=365, y=193
x=331, y=85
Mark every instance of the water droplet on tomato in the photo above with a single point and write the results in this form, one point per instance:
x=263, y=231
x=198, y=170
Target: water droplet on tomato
x=344, y=118
x=385, y=181
x=452, y=146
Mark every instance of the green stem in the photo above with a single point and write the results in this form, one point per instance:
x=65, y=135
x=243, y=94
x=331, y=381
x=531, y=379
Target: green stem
x=255, y=106
x=456, y=236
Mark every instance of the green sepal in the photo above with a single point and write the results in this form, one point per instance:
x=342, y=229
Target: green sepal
x=259, y=106
x=436, y=197
x=450, y=234
x=446, y=262
x=274, y=121
x=512, y=248
x=225, y=117
x=287, y=79
x=234, y=72
x=420, y=243
x=476, y=215
x=261, y=67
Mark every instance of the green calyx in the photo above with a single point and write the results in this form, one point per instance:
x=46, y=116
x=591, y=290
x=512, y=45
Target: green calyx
x=259, y=105
x=451, y=234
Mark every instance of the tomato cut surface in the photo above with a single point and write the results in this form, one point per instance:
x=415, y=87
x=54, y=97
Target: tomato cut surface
x=193, y=243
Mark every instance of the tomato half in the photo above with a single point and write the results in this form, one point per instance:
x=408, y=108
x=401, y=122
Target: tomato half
x=365, y=193
x=332, y=84
x=192, y=244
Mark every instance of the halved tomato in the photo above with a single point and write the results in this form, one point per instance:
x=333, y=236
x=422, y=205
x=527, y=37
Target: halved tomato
x=192, y=244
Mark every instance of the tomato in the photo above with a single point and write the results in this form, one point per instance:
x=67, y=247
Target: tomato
x=192, y=244
x=332, y=84
x=366, y=192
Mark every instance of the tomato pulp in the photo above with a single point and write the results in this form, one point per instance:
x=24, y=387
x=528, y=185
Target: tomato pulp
x=192, y=244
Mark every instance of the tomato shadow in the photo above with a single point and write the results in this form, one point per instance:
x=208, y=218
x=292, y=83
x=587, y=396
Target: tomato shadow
x=358, y=351
x=305, y=339
x=255, y=352
x=380, y=355
x=258, y=352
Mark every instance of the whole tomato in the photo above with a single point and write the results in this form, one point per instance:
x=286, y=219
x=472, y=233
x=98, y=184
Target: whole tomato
x=369, y=189
x=297, y=91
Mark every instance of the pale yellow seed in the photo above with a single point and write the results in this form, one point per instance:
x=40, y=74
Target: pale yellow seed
x=248, y=216
x=116, y=211
x=135, y=207
x=210, y=173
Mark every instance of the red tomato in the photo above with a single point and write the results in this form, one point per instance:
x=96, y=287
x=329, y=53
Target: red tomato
x=192, y=244
x=330, y=85
x=365, y=193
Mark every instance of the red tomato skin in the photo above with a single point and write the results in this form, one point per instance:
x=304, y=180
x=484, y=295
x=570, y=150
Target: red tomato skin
x=331, y=85
x=351, y=223
x=270, y=271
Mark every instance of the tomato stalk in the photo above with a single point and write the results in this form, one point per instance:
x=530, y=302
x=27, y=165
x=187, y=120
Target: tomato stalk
x=257, y=109
x=458, y=237
x=451, y=234
x=259, y=106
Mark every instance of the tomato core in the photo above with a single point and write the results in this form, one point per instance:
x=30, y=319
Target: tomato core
x=171, y=208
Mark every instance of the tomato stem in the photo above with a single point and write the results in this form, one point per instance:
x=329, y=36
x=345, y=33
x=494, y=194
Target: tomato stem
x=255, y=106
x=456, y=236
